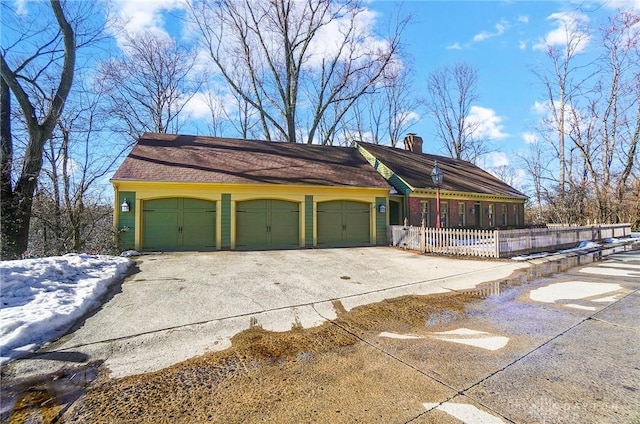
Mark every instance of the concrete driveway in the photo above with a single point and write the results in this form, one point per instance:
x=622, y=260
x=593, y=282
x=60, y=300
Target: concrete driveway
x=179, y=305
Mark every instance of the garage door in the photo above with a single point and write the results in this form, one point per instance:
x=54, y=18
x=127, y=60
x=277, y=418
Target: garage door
x=179, y=224
x=267, y=224
x=344, y=223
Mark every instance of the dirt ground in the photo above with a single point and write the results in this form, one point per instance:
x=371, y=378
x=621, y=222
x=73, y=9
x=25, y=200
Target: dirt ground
x=322, y=375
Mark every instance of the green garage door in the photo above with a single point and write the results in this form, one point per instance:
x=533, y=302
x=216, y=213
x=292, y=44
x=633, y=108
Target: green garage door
x=179, y=224
x=344, y=223
x=267, y=224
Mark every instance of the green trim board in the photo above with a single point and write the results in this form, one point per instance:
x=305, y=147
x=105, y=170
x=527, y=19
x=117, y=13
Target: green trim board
x=225, y=221
x=126, y=225
x=381, y=221
x=308, y=220
x=397, y=182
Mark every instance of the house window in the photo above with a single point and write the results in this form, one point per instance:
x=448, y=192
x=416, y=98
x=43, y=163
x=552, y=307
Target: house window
x=516, y=214
x=490, y=213
x=462, y=217
x=504, y=215
x=425, y=213
x=444, y=214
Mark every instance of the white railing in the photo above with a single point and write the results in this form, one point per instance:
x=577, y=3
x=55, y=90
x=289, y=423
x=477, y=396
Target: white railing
x=499, y=243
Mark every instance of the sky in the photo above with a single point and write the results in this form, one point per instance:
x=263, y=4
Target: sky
x=501, y=39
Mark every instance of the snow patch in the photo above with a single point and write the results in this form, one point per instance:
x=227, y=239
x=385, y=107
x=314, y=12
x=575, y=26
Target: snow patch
x=42, y=298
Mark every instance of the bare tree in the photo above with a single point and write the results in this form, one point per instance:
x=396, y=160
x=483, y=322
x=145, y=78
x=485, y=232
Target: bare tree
x=562, y=79
x=593, y=121
x=451, y=94
x=148, y=87
x=69, y=211
x=276, y=55
x=384, y=117
x=49, y=61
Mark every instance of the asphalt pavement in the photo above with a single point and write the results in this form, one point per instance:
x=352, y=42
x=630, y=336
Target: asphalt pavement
x=550, y=340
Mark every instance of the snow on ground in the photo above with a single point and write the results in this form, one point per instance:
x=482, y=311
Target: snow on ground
x=40, y=299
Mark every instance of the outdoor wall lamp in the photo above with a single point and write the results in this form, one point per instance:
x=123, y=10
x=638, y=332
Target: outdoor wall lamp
x=382, y=208
x=124, y=207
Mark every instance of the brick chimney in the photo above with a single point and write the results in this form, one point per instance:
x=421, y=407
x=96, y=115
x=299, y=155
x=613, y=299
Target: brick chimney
x=413, y=143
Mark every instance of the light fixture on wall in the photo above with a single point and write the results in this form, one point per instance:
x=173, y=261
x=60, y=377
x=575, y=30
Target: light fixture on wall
x=124, y=207
x=382, y=208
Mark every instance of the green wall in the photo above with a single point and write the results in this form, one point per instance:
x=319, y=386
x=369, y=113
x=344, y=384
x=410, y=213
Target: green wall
x=308, y=221
x=381, y=221
x=127, y=239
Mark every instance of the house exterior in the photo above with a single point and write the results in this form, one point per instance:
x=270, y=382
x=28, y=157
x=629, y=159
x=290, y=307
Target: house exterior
x=469, y=196
x=181, y=192
x=203, y=193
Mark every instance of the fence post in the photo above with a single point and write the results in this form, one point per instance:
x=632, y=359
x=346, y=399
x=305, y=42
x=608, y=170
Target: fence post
x=496, y=238
x=423, y=239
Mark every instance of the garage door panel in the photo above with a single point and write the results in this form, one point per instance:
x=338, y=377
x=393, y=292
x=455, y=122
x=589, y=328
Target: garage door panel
x=251, y=229
x=179, y=224
x=329, y=227
x=343, y=223
x=198, y=229
x=160, y=230
x=267, y=223
x=285, y=228
x=358, y=227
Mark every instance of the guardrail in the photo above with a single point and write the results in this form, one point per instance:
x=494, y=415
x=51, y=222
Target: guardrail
x=500, y=243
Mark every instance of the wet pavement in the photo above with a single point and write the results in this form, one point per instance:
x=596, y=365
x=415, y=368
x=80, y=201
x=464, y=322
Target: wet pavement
x=564, y=348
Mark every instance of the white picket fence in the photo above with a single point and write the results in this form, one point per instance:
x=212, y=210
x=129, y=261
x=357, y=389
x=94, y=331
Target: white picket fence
x=499, y=243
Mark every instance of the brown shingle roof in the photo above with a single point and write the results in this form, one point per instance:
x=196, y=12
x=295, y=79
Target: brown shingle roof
x=184, y=158
x=459, y=175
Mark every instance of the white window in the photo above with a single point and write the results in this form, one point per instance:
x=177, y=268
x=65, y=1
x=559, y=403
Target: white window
x=462, y=217
x=425, y=213
x=504, y=215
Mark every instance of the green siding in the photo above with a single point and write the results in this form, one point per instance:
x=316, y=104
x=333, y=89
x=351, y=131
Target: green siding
x=381, y=221
x=126, y=239
x=225, y=219
x=308, y=220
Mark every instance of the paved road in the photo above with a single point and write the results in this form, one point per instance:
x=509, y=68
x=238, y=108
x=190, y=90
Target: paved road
x=572, y=351
x=560, y=349
x=180, y=305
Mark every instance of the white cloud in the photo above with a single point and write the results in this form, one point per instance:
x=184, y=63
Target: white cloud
x=530, y=138
x=523, y=19
x=489, y=125
x=496, y=159
x=623, y=4
x=569, y=32
x=328, y=41
x=522, y=44
x=500, y=27
x=454, y=46
x=144, y=15
x=541, y=108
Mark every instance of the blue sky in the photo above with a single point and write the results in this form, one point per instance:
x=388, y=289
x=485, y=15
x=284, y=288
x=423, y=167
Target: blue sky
x=499, y=38
x=502, y=39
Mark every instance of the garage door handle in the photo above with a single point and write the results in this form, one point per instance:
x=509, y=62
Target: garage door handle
x=179, y=230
